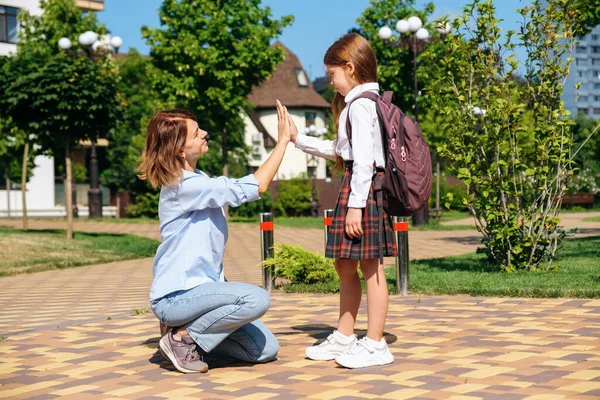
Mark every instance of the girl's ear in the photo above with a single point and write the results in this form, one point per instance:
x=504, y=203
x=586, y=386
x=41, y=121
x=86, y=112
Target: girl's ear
x=350, y=68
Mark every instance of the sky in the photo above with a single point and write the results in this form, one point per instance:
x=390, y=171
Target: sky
x=318, y=23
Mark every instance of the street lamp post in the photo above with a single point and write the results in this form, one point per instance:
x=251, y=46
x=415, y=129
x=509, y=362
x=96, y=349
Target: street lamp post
x=315, y=132
x=93, y=46
x=416, y=42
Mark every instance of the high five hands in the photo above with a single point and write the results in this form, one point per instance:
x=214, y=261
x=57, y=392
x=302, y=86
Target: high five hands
x=286, y=127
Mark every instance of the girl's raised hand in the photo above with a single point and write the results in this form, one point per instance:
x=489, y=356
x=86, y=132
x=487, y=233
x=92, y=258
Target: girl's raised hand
x=283, y=123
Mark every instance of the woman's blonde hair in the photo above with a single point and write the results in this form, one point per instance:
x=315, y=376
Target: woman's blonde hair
x=355, y=49
x=166, y=134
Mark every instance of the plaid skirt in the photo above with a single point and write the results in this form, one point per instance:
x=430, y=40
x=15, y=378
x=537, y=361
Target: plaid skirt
x=339, y=245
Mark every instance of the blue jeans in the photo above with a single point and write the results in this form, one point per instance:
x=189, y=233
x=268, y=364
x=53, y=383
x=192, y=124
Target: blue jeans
x=222, y=318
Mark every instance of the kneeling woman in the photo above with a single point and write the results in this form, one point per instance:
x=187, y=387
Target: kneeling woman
x=209, y=316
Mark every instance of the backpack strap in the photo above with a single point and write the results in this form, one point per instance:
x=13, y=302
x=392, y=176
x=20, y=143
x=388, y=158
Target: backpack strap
x=377, y=181
x=363, y=95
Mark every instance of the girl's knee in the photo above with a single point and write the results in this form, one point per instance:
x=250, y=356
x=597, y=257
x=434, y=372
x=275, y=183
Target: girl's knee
x=346, y=269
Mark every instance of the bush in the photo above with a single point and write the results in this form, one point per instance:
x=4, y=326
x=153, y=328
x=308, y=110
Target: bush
x=301, y=266
x=294, y=198
x=254, y=208
x=145, y=206
x=451, y=195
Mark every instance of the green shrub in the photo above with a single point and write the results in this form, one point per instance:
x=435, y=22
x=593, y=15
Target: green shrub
x=294, y=198
x=254, y=208
x=451, y=195
x=301, y=266
x=144, y=206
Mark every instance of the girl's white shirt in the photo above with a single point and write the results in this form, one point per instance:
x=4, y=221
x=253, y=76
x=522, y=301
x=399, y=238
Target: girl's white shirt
x=366, y=143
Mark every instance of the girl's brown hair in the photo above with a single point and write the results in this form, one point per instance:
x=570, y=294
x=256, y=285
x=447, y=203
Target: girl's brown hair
x=165, y=137
x=355, y=49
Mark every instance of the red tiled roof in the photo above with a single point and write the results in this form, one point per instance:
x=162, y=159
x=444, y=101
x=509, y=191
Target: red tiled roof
x=283, y=85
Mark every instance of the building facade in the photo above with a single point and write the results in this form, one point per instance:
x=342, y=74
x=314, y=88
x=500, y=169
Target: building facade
x=290, y=85
x=585, y=70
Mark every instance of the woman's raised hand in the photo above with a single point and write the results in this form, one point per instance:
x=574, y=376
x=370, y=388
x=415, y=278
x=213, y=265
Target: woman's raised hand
x=283, y=123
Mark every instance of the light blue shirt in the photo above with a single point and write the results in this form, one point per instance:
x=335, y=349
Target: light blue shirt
x=193, y=229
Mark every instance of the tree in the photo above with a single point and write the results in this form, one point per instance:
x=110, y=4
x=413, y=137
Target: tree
x=207, y=58
x=62, y=98
x=138, y=106
x=396, y=62
x=509, y=142
x=584, y=15
x=13, y=142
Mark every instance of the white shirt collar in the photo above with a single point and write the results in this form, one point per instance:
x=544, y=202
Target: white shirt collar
x=365, y=87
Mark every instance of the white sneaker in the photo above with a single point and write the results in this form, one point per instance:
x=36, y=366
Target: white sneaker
x=366, y=353
x=335, y=345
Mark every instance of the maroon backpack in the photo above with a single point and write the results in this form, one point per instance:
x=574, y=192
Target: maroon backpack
x=406, y=185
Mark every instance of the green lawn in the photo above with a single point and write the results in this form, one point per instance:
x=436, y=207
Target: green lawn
x=592, y=219
x=577, y=275
x=42, y=250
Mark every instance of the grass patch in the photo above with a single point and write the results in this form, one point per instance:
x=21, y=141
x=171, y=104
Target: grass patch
x=42, y=250
x=592, y=219
x=3, y=339
x=577, y=276
x=140, y=311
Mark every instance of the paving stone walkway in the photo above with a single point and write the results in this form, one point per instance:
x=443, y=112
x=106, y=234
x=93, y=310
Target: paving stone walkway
x=71, y=334
x=459, y=348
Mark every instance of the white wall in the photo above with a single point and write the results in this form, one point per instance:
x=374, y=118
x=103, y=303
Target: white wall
x=40, y=188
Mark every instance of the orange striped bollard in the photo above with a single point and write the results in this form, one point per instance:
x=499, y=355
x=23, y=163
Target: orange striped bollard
x=401, y=229
x=266, y=245
x=328, y=216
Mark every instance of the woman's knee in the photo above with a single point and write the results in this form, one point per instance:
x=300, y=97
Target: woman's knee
x=270, y=351
x=257, y=300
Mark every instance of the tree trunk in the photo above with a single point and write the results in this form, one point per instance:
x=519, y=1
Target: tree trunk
x=68, y=191
x=225, y=167
x=24, y=185
x=8, y=183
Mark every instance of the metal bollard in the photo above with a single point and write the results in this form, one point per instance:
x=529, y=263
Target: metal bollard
x=266, y=246
x=328, y=215
x=402, y=273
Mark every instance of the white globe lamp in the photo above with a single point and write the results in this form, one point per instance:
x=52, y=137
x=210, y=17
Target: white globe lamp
x=422, y=34
x=415, y=23
x=402, y=26
x=385, y=33
x=64, y=43
x=116, y=42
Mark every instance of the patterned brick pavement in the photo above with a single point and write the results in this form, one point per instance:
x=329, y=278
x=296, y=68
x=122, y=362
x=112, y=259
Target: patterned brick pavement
x=69, y=334
x=445, y=347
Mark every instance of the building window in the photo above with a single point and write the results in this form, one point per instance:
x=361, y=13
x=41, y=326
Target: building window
x=596, y=111
x=583, y=99
x=9, y=24
x=582, y=111
x=596, y=98
x=301, y=77
x=581, y=49
x=595, y=49
x=311, y=171
x=595, y=37
x=596, y=85
x=580, y=73
x=310, y=116
x=581, y=61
